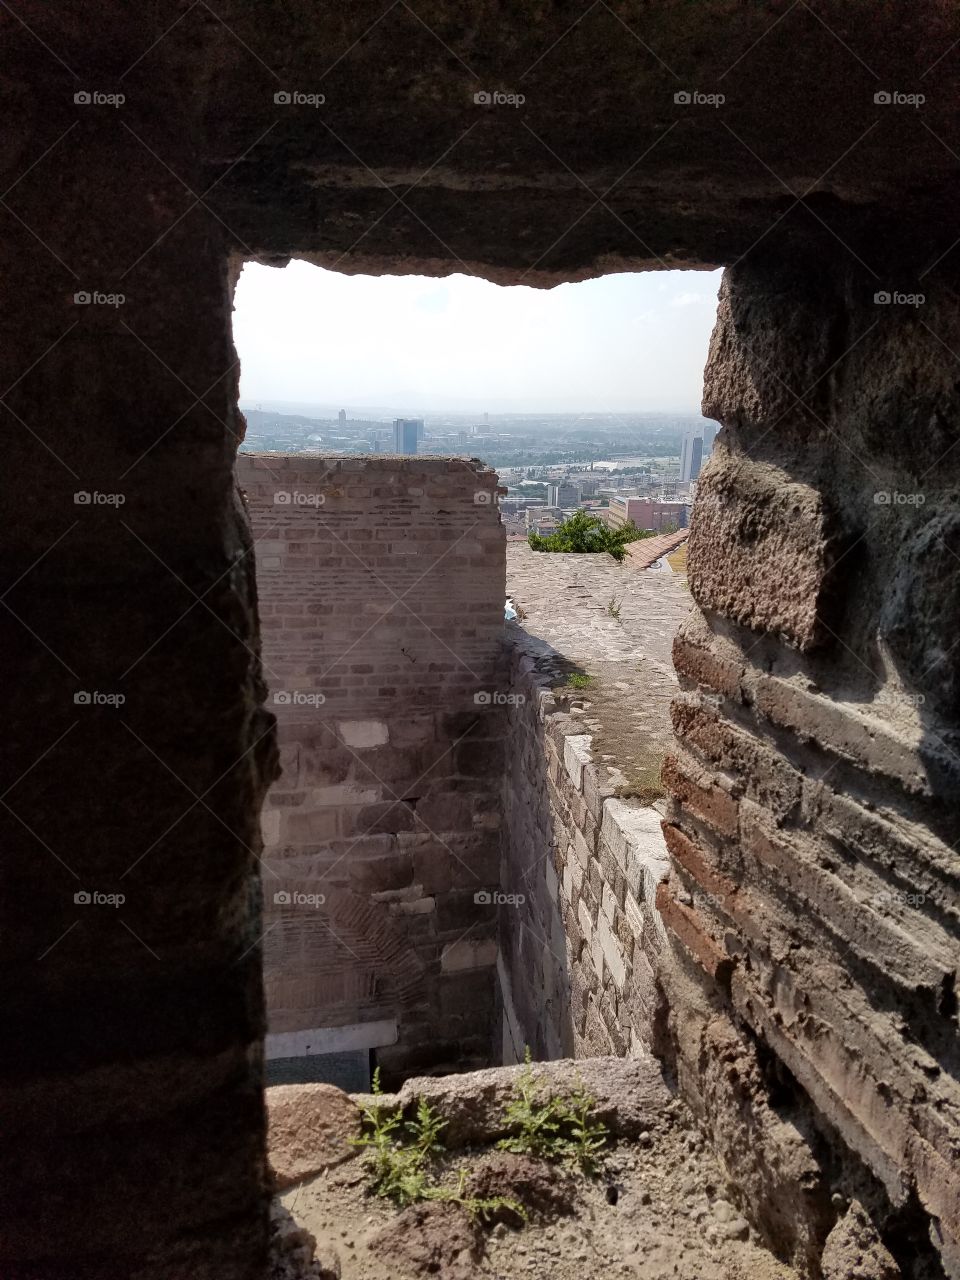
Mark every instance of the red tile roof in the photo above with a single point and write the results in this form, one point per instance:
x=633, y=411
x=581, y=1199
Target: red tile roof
x=647, y=551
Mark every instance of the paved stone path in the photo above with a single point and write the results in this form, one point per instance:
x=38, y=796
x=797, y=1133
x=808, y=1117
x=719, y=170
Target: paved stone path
x=570, y=602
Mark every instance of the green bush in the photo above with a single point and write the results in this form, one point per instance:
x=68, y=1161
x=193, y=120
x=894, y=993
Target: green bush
x=586, y=533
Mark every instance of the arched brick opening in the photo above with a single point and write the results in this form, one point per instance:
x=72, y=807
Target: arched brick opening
x=816, y=795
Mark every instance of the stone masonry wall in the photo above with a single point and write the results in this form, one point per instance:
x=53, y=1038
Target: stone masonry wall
x=814, y=900
x=580, y=936
x=381, y=585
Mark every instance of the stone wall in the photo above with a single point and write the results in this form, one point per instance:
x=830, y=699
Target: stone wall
x=580, y=935
x=381, y=584
x=805, y=782
x=814, y=899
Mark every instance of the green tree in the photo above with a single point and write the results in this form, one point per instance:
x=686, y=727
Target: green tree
x=586, y=533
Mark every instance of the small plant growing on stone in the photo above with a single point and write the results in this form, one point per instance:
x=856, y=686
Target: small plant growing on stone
x=536, y=1122
x=613, y=607
x=552, y=1128
x=482, y=1207
x=578, y=681
x=400, y=1154
x=587, y=1137
x=396, y=1167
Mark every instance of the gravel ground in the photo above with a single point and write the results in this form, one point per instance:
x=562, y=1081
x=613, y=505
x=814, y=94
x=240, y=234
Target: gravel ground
x=657, y=1210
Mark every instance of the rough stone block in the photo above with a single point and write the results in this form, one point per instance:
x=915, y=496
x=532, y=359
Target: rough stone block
x=361, y=735
x=696, y=791
x=761, y=550
x=576, y=754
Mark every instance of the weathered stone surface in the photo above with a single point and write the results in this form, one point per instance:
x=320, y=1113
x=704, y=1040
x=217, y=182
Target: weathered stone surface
x=572, y=847
x=761, y=549
x=919, y=620
x=309, y=1127
x=432, y=1239
x=630, y=1094
x=542, y=1189
x=822, y=703
x=854, y=1251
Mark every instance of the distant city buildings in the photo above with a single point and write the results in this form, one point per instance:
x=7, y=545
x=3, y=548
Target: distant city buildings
x=406, y=433
x=342, y=417
x=645, y=513
x=691, y=456
x=563, y=494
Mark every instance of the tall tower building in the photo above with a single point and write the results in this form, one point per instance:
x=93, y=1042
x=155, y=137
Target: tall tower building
x=691, y=456
x=406, y=433
x=342, y=417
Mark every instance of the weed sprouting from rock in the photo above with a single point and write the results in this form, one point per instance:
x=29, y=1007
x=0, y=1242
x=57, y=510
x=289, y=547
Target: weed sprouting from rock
x=554, y=1128
x=401, y=1156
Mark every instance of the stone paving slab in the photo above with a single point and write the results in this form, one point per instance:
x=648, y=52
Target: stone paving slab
x=616, y=625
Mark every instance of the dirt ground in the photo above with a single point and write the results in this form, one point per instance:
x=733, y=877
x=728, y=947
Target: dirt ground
x=655, y=1211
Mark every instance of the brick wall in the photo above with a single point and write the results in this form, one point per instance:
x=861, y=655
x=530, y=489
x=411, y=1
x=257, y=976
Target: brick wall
x=580, y=934
x=814, y=901
x=381, y=588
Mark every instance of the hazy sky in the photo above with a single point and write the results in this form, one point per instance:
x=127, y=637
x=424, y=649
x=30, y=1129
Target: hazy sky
x=630, y=341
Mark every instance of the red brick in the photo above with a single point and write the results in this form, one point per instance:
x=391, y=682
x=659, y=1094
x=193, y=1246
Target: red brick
x=710, y=803
x=687, y=927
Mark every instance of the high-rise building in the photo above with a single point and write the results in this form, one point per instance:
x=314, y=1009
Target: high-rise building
x=563, y=494
x=406, y=433
x=691, y=456
x=342, y=417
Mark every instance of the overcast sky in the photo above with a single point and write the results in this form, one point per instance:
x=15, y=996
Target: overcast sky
x=411, y=343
